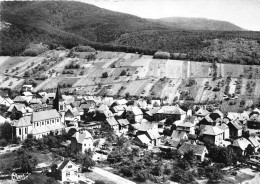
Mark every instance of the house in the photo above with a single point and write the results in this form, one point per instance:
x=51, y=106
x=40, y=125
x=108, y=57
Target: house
x=72, y=116
x=225, y=129
x=118, y=109
x=102, y=108
x=87, y=104
x=154, y=136
x=6, y=101
x=212, y=134
x=254, y=142
x=20, y=99
x=254, y=121
x=123, y=125
x=179, y=135
x=108, y=101
x=2, y=120
x=82, y=141
x=206, y=121
x=170, y=112
x=187, y=125
x=242, y=117
x=38, y=124
x=18, y=110
x=202, y=112
x=141, y=104
x=65, y=171
x=239, y=145
x=112, y=123
x=235, y=128
x=121, y=102
x=199, y=150
x=145, y=125
x=27, y=87
x=134, y=114
x=143, y=141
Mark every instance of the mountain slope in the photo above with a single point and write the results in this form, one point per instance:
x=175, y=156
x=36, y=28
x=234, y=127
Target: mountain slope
x=70, y=23
x=198, y=24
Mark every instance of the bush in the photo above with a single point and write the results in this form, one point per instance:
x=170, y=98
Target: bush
x=82, y=48
x=3, y=142
x=127, y=171
x=35, y=49
x=141, y=176
x=100, y=182
x=162, y=55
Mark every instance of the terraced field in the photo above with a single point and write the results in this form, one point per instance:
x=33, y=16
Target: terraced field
x=144, y=76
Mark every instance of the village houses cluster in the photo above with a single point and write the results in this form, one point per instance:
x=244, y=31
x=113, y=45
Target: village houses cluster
x=149, y=125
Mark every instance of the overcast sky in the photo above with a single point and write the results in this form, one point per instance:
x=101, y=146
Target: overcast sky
x=244, y=13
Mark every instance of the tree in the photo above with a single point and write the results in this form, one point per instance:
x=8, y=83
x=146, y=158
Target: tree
x=213, y=173
x=104, y=75
x=157, y=170
x=6, y=131
x=123, y=73
x=87, y=162
x=25, y=161
x=249, y=150
x=190, y=157
x=183, y=164
x=121, y=140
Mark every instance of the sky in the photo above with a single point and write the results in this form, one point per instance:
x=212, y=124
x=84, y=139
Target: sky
x=244, y=13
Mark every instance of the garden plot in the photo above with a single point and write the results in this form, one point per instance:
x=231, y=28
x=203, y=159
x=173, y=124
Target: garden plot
x=174, y=68
x=233, y=71
x=84, y=81
x=201, y=90
x=143, y=61
x=157, y=88
x=157, y=68
x=129, y=59
x=148, y=87
x=133, y=87
x=108, y=62
x=243, y=88
x=29, y=64
x=140, y=89
x=170, y=89
x=199, y=69
x=115, y=88
x=60, y=66
x=257, y=88
x=11, y=83
x=3, y=59
x=232, y=86
x=13, y=62
x=53, y=83
x=109, y=55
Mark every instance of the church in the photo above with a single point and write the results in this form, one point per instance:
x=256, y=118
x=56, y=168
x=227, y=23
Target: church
x=41, y=123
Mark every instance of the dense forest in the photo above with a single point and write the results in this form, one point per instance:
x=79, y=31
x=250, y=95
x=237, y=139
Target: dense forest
x=72, y=23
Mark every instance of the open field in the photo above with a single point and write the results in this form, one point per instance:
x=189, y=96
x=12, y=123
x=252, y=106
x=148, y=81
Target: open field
x=144, y=76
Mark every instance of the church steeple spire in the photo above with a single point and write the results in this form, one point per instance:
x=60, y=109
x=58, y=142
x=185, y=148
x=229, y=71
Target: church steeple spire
x=58, y=100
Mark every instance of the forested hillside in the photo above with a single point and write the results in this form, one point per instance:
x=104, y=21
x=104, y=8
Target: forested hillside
x=72, y=23
x=198, y=24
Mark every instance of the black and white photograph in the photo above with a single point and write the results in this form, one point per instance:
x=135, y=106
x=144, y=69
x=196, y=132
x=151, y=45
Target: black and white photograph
x=130, y=92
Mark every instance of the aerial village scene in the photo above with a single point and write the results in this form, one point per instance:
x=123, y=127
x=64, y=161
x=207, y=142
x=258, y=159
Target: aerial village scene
x=102, y=114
